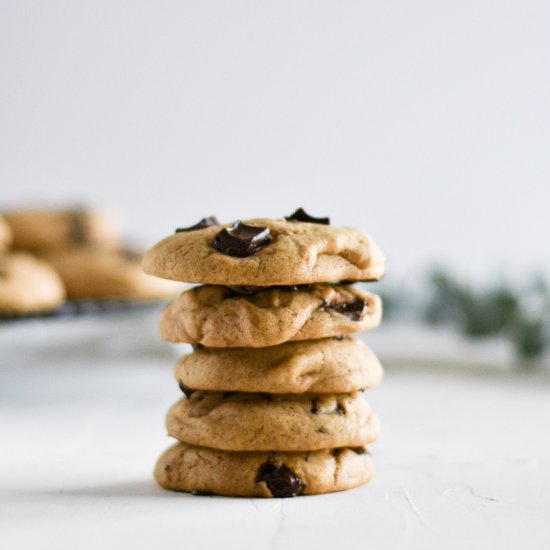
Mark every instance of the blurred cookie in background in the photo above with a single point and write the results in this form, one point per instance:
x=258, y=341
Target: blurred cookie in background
x=28, y=285
x=103, y=273
x=5, y=234
x=42, y=230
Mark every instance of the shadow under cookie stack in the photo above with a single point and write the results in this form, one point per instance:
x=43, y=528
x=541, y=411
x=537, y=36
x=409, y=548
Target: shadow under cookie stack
x=273, y=404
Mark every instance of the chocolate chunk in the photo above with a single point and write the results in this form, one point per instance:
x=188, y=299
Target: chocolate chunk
x=359, y=450
x=340, y=409
x=322, y=430
x=78, y=227
x=203, y=224
x=280, y=480
x=352, y=310
x=252, y=290
x=241, y=240
x=199, y=493
x=314, y=407
x=247, y=290
x=302, y=216
x=186, y=389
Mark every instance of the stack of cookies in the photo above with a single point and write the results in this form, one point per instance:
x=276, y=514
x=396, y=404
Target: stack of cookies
x=273, y=403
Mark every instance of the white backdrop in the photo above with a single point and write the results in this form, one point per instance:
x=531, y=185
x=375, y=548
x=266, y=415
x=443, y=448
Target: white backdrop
x=426, y=123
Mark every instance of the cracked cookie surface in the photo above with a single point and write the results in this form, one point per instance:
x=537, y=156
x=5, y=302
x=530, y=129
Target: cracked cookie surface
x=217, y=316
x=297, y=253
x=201, y=470
x=280, y=422
x=330, y=365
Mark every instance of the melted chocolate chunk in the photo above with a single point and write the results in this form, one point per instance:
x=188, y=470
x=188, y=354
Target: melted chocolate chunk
x=252, y=290
x=247, y=290
x=351, y=310
x=78, y=227
x=203, y=224
x=241, y=240
x=280, y=480
x=186, y=389
x=302, y=216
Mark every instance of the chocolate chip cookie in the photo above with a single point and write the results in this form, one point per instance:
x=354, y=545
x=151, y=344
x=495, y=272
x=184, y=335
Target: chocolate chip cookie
x=106, y=273
x=331, y=365
x=5, y=235
x=201, y=471
x=263, y=422
x=45, y=230
x=218, y=316
x=264, y=252
x=28, y=285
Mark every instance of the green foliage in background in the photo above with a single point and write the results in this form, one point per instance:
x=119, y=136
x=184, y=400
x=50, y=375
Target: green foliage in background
x=522, y=316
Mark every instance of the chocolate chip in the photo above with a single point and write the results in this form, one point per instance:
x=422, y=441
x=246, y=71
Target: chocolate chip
x=78, y=226
x=314, y=407
x=186, y=389
x=280, y=480
x=352, y=310
x=203, y=224
x=199, y=493
x=197, y=346
x=340, y=409
x=241, y=240
x=322, y=430
x=302, y=216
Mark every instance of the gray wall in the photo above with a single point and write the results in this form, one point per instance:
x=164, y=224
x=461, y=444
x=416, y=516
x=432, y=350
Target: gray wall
x=427, y=123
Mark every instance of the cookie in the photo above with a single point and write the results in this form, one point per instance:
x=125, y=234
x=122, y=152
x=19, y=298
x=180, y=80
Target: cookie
x=5, y=235
x=44, y=230
x=266, y=252
x=97, y=273
x=219, y=317
x=264, y=422
x=201, y=470
x=314, y=366
x=28, y=285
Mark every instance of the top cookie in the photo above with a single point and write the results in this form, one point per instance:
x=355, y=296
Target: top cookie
x=46, y=230
x=265, y=252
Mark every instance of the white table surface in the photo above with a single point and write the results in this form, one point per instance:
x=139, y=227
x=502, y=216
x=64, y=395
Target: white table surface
x=463, y=461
